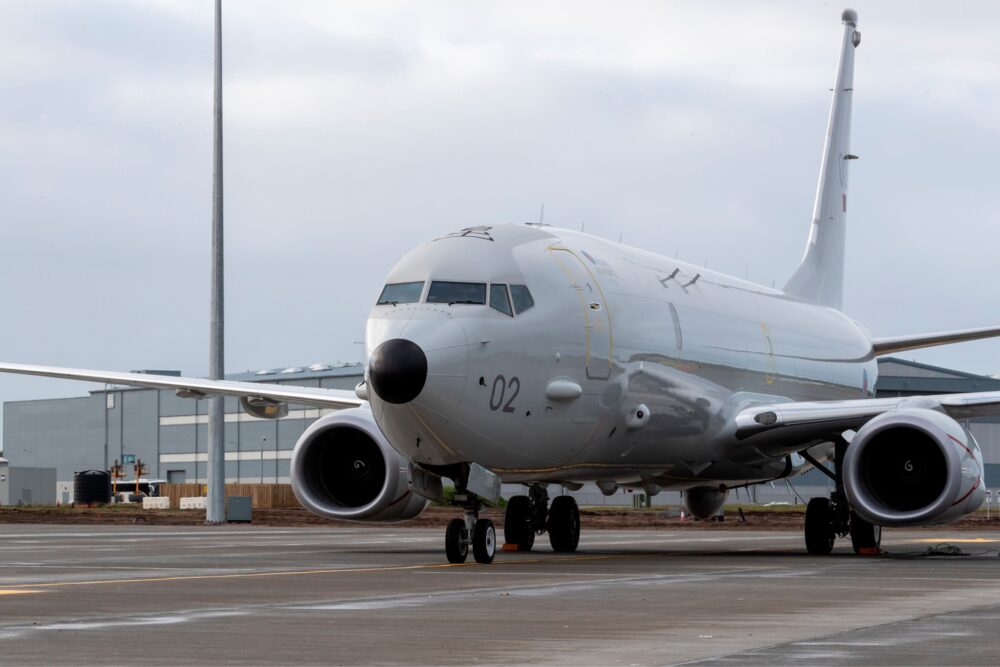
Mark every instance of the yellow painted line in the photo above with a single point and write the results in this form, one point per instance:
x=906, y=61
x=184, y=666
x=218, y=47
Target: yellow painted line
x=20, y=591
x=18, y=588
x=958, y=540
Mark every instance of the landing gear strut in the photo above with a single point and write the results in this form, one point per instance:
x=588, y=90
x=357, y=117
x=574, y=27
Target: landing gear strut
x=829, y=518
x=470, y=531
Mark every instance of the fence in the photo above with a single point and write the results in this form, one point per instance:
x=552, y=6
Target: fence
x=264, y=496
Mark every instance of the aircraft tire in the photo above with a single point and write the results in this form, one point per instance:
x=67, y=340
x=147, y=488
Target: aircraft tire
x=564, y=524
x=517, y=523
x=864, y=535
x=484, y=541
x=455, y=546
x=819, y=527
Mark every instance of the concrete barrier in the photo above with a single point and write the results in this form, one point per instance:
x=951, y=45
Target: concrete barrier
x=194, y=503
x=156, y=503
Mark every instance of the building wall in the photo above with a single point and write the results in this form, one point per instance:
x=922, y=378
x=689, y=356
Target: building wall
x=65, y=433
x=28, y=486
x=4, y=482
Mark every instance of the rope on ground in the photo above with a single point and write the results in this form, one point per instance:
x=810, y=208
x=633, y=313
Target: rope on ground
x=941, y=550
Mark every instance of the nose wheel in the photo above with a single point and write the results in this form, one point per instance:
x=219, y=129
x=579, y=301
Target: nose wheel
x=472, y=531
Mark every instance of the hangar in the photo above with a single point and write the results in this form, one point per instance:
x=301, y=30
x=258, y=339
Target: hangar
x=169, y=433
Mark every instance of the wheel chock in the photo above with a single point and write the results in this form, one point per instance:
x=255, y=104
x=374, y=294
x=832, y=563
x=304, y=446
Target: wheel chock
x=508, y=546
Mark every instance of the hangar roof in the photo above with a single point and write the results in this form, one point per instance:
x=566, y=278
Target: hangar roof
x=897, y=376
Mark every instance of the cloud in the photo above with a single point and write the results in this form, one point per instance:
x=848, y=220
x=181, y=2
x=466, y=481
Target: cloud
x=356, y=130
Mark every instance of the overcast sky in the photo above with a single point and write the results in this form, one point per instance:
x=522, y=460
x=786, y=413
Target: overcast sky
x=355, y=130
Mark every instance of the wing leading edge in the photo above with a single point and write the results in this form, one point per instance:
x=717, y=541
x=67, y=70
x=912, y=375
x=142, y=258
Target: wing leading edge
x=821, y=419
x=314, y=396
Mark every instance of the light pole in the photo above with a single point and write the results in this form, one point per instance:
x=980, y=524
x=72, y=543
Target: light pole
x=263, y=439
x=216, y=512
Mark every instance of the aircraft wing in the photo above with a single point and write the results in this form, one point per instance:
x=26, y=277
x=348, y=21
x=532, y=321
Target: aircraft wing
x=881, y=346
x=314, y=396
x=820, y=419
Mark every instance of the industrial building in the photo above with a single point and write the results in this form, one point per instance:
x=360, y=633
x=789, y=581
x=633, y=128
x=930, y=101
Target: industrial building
x=169, y=433
x=26, y=486
x=165, y=432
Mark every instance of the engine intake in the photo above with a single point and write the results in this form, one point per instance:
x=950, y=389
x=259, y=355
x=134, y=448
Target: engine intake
x=913, y=466
x=344, y=468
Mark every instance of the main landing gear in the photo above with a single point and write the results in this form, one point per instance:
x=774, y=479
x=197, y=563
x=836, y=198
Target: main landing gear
x=829, y=518
x=530, y=515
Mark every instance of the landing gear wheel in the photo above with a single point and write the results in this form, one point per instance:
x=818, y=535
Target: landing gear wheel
x=484, y=541
x=455, y=546
x=517, y=527
x=564, y=524
x=819, y=527
x=864, y=536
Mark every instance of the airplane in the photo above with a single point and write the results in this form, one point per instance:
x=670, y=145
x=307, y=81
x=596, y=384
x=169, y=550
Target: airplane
x=541, y=356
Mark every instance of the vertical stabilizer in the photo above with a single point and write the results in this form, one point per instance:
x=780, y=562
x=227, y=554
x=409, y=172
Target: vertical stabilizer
x=820, y=277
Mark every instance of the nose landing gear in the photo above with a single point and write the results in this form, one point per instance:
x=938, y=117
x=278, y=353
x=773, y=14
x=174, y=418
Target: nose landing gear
x=470, y=531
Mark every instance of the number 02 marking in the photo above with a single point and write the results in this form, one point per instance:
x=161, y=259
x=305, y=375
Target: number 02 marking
x=499, y=392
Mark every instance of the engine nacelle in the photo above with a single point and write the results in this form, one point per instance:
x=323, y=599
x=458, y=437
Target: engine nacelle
x=704, y=501
x=913, y=466
x=344, y=468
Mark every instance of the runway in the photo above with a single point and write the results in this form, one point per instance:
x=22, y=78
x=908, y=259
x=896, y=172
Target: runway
x=246, y=595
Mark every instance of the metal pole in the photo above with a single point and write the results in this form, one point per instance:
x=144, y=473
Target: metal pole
x=263, y=439
x=107, y=393
x=216, y=406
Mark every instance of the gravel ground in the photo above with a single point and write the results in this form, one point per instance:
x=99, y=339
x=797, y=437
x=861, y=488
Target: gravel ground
x=591, y=518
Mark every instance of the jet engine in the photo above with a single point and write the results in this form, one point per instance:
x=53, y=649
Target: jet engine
x=704, y=501
x=913, y=466
x=344, y=468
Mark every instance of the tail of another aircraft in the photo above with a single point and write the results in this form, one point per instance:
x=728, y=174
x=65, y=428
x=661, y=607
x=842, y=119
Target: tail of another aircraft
x=820, y=277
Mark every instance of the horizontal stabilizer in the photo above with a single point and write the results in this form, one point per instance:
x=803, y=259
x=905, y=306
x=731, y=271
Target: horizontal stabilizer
x=882, y=346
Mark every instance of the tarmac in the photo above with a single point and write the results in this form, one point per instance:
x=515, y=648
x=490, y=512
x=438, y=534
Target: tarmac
x=153, y=595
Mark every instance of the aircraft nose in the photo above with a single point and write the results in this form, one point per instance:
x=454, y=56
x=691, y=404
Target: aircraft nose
x=397, y=370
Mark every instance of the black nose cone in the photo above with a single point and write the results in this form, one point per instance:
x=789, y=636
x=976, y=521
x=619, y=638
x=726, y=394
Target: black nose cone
x=397, y=370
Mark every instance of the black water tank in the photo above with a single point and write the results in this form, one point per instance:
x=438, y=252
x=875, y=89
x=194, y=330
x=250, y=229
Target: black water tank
x=92, y=487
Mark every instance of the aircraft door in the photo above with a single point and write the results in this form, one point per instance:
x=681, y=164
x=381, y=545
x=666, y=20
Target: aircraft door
x=597, y=333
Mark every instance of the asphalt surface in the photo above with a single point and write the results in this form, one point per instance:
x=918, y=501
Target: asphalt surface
x=151, y=595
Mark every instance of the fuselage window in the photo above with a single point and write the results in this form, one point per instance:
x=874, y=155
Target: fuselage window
x=448, y=292
x=522, y=298
x=499, y=300
x=400, y=293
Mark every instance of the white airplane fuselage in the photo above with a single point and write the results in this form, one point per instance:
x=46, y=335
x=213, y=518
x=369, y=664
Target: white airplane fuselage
x=629, y=367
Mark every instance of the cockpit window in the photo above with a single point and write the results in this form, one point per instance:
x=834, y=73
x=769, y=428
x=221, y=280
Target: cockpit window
x=400, y=293
x=450, y=293
x=499, y=300
x=522, y=298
